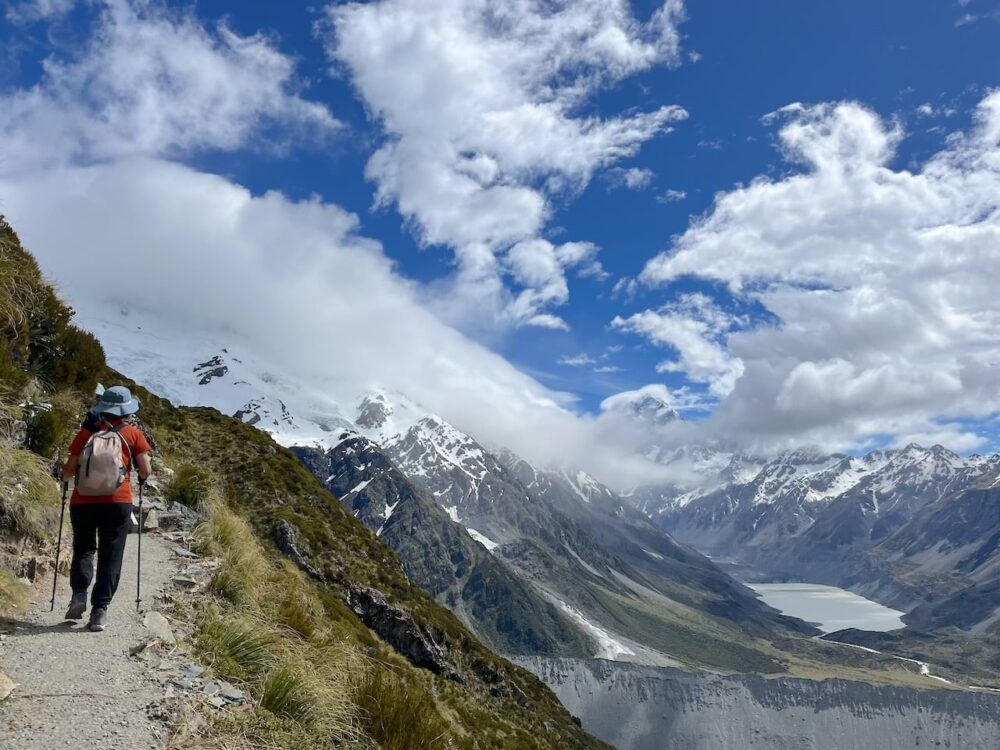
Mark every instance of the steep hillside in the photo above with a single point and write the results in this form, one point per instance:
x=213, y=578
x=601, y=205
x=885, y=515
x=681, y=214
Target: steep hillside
x=414, y=652
x=439, y=554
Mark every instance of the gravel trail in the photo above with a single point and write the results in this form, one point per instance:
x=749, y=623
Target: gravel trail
x=81, y=689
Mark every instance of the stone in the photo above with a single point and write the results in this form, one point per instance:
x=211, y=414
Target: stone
x=234, y=695
x=192, y=670
x=210, y=688
x=185, y=582
x=181, y=552
x=157, y=625
x=401, y=630
x=178, y=517
x=217, y=701
x=7, y=686
x=286, y=537
x=150, y=519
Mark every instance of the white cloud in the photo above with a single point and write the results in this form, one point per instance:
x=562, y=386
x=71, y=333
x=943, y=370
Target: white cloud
x=540, y=268
x=625, y=288
x=38, y=10
x=295, y=283
x=154, y=81
x=579, y=360
x=696, y=328
x=482, y=104
x=633, y=178
x=671, y=196
x=603, y=369
x=926, y=110
x=293, y=280
x=881, y=282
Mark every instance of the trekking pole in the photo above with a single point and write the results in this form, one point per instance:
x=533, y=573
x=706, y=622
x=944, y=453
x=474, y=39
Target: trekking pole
x=138, y=574
x=55, y=572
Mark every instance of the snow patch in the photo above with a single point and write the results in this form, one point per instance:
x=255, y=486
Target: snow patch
x=483, y=539
x=608, y=647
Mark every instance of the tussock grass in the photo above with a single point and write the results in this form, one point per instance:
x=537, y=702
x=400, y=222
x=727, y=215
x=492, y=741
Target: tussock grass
x=18, y=284
x=263, y=632
x=29, y=497
x=398, y=715
x=237, y=646
x=191, y=486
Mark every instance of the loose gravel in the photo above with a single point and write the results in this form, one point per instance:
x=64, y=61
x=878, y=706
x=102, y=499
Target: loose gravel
x=81, y=689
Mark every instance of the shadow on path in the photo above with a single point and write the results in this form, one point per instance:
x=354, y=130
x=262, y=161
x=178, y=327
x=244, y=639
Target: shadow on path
x=10, y=626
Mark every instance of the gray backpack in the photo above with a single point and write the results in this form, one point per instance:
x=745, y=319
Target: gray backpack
x=102, y=469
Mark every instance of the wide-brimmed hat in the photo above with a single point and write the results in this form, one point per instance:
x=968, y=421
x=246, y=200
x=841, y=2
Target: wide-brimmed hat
x=116, y=401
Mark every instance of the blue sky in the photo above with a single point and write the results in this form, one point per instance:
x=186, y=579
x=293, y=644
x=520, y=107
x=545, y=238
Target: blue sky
x=920, y=68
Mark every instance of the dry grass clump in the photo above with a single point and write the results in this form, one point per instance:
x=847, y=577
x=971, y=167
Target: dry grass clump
x=399, y=715
x=29, y=497
x=263, y=632
x=13, y=593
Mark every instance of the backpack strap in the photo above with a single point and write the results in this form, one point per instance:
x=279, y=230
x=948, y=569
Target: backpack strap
x=117, y=431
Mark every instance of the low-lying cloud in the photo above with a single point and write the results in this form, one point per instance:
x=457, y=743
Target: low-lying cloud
x=119, y=224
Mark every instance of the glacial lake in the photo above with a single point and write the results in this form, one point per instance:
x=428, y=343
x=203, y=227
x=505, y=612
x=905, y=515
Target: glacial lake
x=828, y=607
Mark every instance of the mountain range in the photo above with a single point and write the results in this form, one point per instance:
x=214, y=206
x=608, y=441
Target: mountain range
x=907, y=527
x=546, y=562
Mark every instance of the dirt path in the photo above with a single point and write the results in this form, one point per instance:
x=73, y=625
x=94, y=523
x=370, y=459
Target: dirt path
x=81, y=689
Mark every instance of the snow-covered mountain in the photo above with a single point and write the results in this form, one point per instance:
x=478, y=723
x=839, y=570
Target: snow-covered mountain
x=600, y=578
x=836, y=519
x=803, y=514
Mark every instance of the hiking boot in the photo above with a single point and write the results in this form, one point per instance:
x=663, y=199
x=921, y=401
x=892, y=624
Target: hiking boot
x=98, y=619
x=77, y=606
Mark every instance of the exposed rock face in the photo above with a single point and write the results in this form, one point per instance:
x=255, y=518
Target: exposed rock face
x=649, y=708
x=286, y=537
x=399, y=629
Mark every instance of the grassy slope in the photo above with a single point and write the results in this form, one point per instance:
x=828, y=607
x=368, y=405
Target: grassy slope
x=492, y=705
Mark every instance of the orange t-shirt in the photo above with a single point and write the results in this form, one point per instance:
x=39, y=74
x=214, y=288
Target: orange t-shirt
x=136, y=443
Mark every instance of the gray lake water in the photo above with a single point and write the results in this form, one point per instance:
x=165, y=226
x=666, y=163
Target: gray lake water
x=828, y=607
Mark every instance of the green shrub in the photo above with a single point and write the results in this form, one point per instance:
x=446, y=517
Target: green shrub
x=45, y=432
x=79, y=360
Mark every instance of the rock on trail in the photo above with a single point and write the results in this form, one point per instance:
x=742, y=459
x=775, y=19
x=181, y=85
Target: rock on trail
x=81, y=689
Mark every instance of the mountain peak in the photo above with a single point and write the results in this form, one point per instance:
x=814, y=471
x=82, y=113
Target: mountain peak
x=649, y=404
x=373, y=411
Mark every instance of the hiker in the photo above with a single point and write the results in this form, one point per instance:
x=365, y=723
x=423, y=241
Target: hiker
x=100, y=463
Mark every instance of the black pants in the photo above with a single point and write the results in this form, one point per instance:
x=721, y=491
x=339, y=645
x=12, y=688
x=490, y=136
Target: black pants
x=102, y=529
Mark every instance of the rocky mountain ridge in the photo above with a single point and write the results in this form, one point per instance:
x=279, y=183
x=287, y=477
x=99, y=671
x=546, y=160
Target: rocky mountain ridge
x=852, y=521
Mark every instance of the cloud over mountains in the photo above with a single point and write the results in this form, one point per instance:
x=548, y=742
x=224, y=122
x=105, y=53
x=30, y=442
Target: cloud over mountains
x=846, y=301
